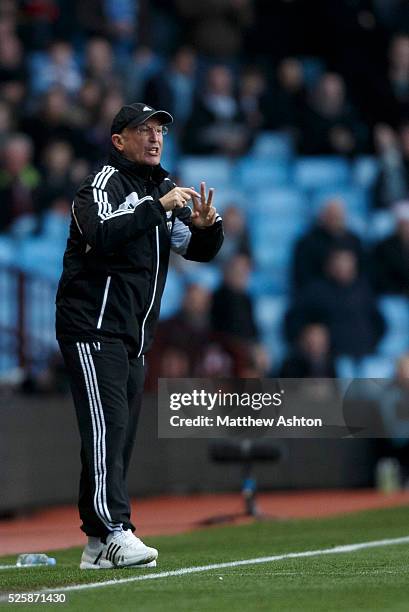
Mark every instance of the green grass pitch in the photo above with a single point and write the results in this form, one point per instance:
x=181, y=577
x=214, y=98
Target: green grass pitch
x=365, y=580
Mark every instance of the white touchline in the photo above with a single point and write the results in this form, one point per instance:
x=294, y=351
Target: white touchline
x=336, y=550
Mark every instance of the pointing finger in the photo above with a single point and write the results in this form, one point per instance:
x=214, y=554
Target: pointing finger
x=190, y=192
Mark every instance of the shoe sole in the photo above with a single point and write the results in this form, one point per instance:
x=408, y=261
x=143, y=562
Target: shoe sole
x=108, y=565
x=105, y=564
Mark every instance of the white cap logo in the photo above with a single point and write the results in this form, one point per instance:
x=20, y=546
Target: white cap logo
x=145, y=108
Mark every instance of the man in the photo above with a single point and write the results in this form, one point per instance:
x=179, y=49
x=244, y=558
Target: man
x=125, y=219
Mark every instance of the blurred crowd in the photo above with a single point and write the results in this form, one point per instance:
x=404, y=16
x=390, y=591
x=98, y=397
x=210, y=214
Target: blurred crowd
x=334, y=76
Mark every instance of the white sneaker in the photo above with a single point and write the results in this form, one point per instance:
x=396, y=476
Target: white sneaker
x=91, y=556
x=123, y=549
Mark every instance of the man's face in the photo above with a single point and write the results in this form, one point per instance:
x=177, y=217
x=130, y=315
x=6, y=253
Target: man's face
x=142, y=144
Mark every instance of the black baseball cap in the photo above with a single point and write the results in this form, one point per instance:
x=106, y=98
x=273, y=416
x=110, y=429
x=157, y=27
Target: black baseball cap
x=136, y=113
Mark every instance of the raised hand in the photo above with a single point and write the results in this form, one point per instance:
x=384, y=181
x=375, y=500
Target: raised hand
x=204, y=214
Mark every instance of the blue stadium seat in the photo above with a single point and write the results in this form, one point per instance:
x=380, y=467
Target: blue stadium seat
x=173, y=294
x=395, y=309
x=8, y=300
x=346, y=367
x=227, y=196
x=55, y=227
x=274, y=145
x=255, y=173
x=356, y=199
x=377, y=366
x=365, y=171
x=215, y=170
x=23, y=226
x=280, y=202
x=381, y=225
x=40, y=316
x=207, y=275
x=270, y=280
x=171, y=153
x=325, y=171
x=42, y=257
x=269, y=314
x=7, y=250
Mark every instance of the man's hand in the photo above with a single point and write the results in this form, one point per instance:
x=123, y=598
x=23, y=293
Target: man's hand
x=177, y=197
x=204, y=214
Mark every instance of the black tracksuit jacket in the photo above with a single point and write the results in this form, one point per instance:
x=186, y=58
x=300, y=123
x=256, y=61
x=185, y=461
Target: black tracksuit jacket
x=117, y=254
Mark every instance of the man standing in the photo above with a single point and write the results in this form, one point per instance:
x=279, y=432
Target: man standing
x=125, y=219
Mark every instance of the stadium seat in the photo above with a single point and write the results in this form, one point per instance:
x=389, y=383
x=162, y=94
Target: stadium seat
x=281, y=202
x=8, y=301
x=42, y=257
x=346, y=368
x=226, y=196
x=215, y=170
x=173, y=294
x=268, y=281
x=354, y=198
x=325, y=171
x=273, y=145
x=395, y=309
x=365, y=171
x=23, y=226
x=170, y=154
x=377, y=366
x=206, y=275
x=7, y=250
x=55, y=227
x=381, y=225
x=269, y=314
x=253, y=173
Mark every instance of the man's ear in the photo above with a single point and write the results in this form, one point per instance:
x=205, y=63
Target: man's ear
x=117, y=141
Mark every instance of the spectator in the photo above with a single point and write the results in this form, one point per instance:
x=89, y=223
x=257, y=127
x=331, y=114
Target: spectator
x=330, y=124
x=141, y=67
x=56, y=175
x=12, y=71
x=185, y=344
x=96, y=142
x=391, y=256
x=286, y=108
x=344, y=303
x=53, y=120
x=99, y=64
x=232, y=307
x=236, y=236
x=122, y=19
x=216, y=124
x=6, y=122
x=399, y=74
x=226, y=20
x=252, y=93
x=18, y=180
x=328, y=233
x=56, y=68
x=87, y=104
x=393, y=150
x=174, y=87
x=392, y=402
x=312, y=356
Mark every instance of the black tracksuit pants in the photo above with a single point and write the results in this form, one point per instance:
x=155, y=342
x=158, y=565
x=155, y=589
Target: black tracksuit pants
x=107, y=386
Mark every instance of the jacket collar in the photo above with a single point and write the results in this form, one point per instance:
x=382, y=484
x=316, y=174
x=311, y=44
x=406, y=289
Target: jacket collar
x=148, y=173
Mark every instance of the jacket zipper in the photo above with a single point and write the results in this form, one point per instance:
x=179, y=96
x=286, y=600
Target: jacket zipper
x=154, y=292
x=104, y=302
